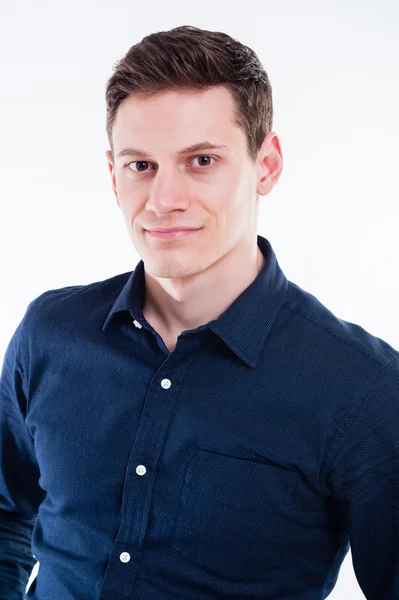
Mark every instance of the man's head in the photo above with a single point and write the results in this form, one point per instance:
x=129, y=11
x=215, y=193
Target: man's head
x=174, y=90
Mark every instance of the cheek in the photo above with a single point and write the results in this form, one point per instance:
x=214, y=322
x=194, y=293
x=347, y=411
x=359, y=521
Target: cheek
x=129, y=198
x=130, y=211
x=127, y=188
x=224, y=195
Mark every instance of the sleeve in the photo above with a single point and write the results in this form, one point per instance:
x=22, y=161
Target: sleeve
x=20, y=493
x=364, y=477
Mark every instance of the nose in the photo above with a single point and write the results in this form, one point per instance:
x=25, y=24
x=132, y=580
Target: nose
x=168, y=191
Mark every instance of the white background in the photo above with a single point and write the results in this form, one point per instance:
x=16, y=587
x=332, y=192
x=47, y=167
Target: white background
x=332, y=218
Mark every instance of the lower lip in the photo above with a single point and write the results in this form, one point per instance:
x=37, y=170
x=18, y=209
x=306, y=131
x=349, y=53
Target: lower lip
x=171, y=235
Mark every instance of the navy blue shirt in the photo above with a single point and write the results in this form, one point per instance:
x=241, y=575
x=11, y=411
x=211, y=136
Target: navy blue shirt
x=241, y=465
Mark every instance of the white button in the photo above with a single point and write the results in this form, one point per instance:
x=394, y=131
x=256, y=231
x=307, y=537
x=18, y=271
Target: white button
x=124, y=557
x=166, y=383
x=137, y=324
x=141, y=470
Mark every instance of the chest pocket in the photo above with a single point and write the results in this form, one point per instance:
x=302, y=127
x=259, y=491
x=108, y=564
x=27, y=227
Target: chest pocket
x=233, y=514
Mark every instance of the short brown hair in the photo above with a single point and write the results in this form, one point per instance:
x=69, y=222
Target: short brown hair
x=187, y=57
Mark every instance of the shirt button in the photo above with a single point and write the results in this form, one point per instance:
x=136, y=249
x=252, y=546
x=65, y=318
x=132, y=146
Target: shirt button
x=124, y=557
x=141, y=470
x=137, y=324
x=166, y=383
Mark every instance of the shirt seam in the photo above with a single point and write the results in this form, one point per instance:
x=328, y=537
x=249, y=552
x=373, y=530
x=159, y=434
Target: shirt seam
x=337, y=337
x=329, y=463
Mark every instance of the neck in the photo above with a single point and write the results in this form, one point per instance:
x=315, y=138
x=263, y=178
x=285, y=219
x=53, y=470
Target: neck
x=173, y=306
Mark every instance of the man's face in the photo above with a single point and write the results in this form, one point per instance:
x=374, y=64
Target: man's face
x=211, y=189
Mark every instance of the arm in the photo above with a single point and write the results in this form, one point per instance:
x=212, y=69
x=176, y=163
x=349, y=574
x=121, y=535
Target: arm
x=20, y=493
x=364, y=476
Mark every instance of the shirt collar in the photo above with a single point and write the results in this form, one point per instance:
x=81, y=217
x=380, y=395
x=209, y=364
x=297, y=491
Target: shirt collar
x=244, y=325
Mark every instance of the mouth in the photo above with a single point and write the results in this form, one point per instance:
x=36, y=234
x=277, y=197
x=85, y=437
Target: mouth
x=171, y=234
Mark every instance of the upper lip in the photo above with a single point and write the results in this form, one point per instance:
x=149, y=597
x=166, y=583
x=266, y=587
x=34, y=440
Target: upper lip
x=166, y=229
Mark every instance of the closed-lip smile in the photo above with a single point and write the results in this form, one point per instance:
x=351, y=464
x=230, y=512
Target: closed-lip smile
x=168, y=229
x=172, y=233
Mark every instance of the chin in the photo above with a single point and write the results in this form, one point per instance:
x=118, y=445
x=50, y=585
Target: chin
x=168, y=270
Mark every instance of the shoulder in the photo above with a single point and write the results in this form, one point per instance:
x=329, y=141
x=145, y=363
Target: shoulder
x=79, y=301
x=335, y=336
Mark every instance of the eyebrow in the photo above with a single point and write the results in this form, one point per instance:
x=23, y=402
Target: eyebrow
x=192, y=148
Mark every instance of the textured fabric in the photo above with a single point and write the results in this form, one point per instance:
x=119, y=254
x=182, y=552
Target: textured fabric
x=241, y=465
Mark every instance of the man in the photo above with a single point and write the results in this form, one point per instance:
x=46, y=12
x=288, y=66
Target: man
x=200, y=427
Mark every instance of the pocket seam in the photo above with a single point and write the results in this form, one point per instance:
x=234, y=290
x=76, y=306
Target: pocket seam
x=188, y=500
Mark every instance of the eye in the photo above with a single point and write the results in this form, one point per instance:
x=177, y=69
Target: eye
x=202, y=156
x=140, y=164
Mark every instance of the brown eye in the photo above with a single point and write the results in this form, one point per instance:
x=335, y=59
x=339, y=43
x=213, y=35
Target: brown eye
x=204, y=161
x=201, y=159
x=140, y=164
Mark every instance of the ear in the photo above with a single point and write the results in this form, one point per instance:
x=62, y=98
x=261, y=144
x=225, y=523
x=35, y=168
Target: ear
x=110, y=160
x=269, y=163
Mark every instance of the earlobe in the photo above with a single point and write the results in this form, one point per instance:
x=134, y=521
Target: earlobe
x=264, y=186
x=109, y=158
x=265, y=178
x=271, y=164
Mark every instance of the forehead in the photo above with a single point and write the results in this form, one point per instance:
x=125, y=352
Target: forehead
x=178, y=117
